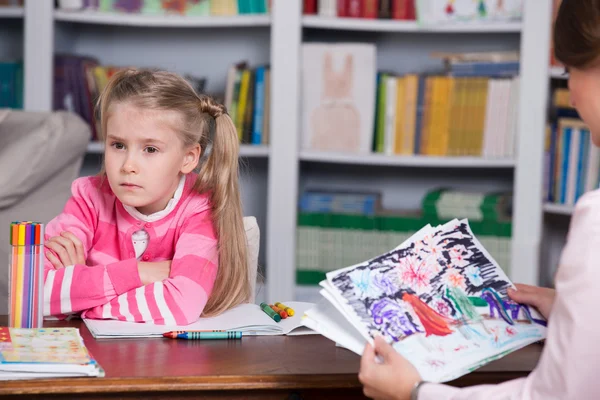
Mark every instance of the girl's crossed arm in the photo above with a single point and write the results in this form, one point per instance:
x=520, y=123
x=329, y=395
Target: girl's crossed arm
x=73, y=288
x=180, y=299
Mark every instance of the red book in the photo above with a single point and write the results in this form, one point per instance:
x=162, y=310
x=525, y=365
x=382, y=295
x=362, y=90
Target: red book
x=355, y=8
x=310, y=7
x=371, y=9
x=411, y=10
x=398, y=9
x=342, y=8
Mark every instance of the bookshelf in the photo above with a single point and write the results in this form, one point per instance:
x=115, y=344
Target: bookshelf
x=11, y=12
x=246, y=151
x=558, y=73
x=374, y=25
x=171, y=21
x=559, y=209
x=407, y=161
x=275, y=175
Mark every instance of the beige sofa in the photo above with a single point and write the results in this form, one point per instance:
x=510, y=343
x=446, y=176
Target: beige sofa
x=40, y=156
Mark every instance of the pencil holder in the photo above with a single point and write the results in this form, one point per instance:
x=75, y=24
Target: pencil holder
x=26, y=279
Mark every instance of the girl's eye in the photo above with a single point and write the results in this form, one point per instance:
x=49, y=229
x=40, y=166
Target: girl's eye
x=118, y=146
x=566, y=71
x=151, y=150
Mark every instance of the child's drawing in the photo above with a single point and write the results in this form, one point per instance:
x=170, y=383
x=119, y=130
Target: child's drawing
x=336, y=122
x=443, y=293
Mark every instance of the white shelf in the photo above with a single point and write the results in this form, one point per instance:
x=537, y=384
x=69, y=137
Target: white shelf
x=11, y=12
x=253, y=150
x=558, y=73
x=562, y=209
x=376, y=25
x=95, y=148
x=171, y=21
x=407, y=161
x=246, y=150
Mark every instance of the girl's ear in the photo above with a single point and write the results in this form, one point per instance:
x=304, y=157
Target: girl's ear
x=191, y=158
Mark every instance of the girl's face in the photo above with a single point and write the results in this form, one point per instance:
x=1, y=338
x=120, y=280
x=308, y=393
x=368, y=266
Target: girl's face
x=144, y=156
x=584, y=87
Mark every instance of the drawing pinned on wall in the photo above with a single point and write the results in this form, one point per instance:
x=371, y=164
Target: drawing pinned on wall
x=440, y=299
x=338, y=97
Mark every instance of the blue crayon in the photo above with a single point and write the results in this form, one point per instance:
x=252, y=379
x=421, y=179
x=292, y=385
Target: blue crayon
x=210, y=335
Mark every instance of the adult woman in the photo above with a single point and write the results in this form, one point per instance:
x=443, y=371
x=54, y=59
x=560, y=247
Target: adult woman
x=571, y=358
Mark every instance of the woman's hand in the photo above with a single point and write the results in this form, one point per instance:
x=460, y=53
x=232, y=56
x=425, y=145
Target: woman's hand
x=151, y=272
x=538, y=297
x=67, y=250
x=393, y=378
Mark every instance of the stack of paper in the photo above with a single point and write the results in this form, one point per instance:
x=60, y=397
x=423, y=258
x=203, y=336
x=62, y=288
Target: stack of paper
x=439, y=297
x=246, y=318
x=44, y=353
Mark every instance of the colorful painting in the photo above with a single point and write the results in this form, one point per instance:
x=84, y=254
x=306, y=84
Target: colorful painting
x=441, y=299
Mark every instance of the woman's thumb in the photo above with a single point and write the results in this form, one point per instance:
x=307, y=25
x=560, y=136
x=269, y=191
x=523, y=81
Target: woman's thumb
x=521, y=296
x=382, y=348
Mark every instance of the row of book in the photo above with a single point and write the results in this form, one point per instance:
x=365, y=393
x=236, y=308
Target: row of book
x=79, y=80
x=11, y=84
x=337, y=229
x=173, y=7
x=11, y=3
x=425, y=11
x=446, y=116
x=369, y=9
x=572, y=162
x=248, y=101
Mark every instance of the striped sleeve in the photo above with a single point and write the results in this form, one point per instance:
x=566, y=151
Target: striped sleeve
x=180, y=299
x=93, y=285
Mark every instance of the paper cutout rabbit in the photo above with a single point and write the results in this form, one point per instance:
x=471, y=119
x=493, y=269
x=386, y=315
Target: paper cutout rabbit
x=336, y=121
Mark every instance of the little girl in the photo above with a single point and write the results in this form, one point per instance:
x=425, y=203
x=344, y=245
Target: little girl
x=149, y=240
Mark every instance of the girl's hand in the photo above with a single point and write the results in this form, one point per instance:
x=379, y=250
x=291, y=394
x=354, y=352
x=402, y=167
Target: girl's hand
x=538, y=297
x=151, y=272
x=393, y=378
x=67, y=248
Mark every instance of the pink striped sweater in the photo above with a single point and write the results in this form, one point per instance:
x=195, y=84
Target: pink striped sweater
x=109, y=286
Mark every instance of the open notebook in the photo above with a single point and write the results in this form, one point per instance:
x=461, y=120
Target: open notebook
x=439, y=298
x=247, y=318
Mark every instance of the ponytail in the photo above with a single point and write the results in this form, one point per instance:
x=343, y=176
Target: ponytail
x=219, y=177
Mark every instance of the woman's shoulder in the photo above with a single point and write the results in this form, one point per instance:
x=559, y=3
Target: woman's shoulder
x=586, y=214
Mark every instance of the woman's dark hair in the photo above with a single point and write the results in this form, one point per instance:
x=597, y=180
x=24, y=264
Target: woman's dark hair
x=577, y=33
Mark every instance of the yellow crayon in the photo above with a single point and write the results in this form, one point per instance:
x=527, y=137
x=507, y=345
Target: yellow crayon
x=285, y=308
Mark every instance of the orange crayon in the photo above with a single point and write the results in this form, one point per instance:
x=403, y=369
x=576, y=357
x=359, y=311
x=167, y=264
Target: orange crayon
x=279, y=311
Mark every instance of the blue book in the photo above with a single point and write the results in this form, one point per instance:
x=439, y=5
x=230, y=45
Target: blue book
x=564, y=170
x=259, y=106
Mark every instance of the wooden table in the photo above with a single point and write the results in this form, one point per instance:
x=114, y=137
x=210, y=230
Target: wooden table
x=263, y=367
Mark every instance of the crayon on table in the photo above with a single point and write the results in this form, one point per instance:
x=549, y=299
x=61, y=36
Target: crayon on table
x=279, y=311
x=285, y=308
x=173, y=334
x=269, y=311
x=229, y=335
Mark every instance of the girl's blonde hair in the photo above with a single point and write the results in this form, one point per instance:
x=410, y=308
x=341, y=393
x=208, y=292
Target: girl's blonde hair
x=206, y=122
